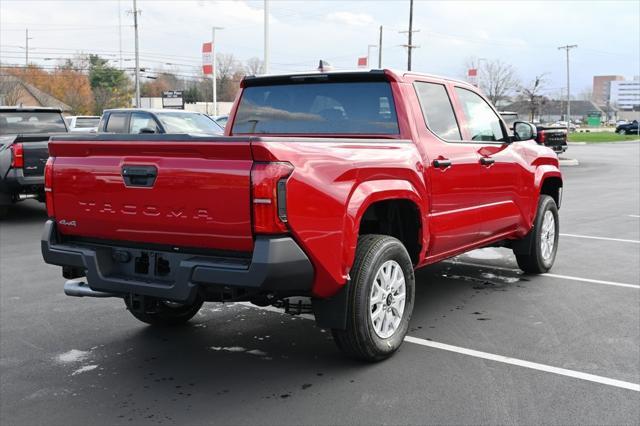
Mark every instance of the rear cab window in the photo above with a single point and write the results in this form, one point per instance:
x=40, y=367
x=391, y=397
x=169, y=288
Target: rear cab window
x=322, y=107
x=31, y=122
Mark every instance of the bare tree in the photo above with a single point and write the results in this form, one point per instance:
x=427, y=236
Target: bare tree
x=532, y=95
x=497, y=79
x=229, y=73
x=11, y=90
x=586, y=94
x=254, y=66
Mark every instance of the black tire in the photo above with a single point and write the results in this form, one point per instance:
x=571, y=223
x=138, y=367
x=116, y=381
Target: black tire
x=4, y=212
x=360, y=340
x=162, y=313
x=535, y=262
x=622, y=132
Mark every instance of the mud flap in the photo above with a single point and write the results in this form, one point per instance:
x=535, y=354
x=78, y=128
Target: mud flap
x=524, y=245
x=332, y=312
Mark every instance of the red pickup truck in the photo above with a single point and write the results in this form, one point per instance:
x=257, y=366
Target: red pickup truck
x=325, y=194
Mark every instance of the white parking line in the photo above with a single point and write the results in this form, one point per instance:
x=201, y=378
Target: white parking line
x=634, y=215
x=526, y=364
x=564, y=277
x=494, y=357
x=588, y=280
x=620, y=240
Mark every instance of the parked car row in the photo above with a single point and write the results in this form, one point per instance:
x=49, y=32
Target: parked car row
x=25, y=133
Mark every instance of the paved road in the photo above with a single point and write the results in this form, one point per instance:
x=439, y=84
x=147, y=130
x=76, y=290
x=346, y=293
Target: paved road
x=71, y=361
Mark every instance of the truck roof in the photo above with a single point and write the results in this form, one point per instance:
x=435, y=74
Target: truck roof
x=152, y=110
x=348, y=75
x=29, y=108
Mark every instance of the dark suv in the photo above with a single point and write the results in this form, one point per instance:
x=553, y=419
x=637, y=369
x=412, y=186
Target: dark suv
x=135, y=121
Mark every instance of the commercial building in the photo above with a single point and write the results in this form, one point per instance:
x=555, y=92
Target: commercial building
x=601, y=87
x=625, y=94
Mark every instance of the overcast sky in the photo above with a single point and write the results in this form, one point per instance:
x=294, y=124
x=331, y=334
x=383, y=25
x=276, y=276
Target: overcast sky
x=524, y=34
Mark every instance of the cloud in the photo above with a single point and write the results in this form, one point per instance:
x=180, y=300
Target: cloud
x=352, y=19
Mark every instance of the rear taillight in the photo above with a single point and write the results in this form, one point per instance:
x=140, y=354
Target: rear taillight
x=269, y=197
x=48, y=186
x=542, y=137
x=17, y=156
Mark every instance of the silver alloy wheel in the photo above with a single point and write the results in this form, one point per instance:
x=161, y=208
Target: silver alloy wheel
x=387, y=299
x=548, y=235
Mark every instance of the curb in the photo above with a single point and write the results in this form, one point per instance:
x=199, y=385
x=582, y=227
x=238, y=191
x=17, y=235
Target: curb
x=569, y=162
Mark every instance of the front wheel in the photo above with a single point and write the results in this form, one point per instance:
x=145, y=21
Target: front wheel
x=543, y=238
x=161, y=312
x=622, y=132
x=380, y=299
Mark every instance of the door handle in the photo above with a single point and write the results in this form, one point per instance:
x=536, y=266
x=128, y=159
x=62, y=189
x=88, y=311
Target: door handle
x=486, y=161
x=442, y=163
x=141, y=176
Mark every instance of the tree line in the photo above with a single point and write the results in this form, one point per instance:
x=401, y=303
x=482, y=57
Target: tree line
x=89, y=84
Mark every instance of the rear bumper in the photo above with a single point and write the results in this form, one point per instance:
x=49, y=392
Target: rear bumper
x=277, y=265
x=15, y=183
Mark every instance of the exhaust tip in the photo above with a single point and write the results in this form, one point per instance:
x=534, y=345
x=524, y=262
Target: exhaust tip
x=81, y=289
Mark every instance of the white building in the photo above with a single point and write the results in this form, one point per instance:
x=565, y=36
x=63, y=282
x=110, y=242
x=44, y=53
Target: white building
x=625, y=94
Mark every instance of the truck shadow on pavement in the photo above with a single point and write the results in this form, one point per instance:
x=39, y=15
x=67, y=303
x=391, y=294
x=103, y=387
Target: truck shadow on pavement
x=232, y=354
x=25, y=212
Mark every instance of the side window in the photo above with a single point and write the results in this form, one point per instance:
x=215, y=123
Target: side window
x=117, y=123
x=482, y=123
x=438, y=111
x=140, y=121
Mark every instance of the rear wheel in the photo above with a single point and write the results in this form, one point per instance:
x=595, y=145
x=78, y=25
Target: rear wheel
x=381, y=295
x=4, y=212
x=543, y=238
x=162, y=312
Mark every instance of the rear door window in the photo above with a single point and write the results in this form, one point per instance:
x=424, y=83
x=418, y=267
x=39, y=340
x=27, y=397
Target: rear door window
x=117, y=123
x=318, y=108
x=437, y=110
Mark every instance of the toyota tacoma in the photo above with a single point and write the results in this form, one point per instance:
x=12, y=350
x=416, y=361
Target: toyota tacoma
x=324, y=195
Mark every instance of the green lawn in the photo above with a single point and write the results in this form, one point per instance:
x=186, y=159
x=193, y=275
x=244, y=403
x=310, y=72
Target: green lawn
x=595, y=137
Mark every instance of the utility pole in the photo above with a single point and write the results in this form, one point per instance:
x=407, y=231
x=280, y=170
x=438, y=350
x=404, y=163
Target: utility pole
x=214, y=68
x=26, y=47
x=380, y=49
x=369, y=54
x=266, y=36
x=409, y=44
x=137, y=74
x=120, y=31
x=567, y=48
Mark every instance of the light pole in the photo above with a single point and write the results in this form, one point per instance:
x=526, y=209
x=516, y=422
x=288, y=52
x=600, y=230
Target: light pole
x=410, y=32
x=567, y=48
x=26, y=50
x=214, y=68
x=266, y=36
x=137, y=74
x=369, y=54
x=380, y=49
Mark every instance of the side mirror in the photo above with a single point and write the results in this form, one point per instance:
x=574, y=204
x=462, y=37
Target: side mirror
x=523, y=131
x=147, y=130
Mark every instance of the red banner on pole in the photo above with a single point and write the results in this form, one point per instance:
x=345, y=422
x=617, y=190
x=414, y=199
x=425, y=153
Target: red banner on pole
x=473, y=72
x=207, y=58
x=362, y=62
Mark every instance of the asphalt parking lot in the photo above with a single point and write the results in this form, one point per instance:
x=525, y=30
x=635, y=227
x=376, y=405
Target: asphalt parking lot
x=487, y=345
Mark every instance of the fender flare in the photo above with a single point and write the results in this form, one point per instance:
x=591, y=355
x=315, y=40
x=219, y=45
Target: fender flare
x=368, y=193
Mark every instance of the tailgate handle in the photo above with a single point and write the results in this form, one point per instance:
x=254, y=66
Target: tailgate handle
x=141, y=176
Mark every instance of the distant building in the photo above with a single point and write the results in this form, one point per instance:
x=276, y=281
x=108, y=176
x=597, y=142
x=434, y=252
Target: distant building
x=625, y=94
x=602, y=86
x=15, y=92
x=549, y=111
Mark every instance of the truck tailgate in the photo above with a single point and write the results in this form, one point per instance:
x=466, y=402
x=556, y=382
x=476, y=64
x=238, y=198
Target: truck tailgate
x=178, y=194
